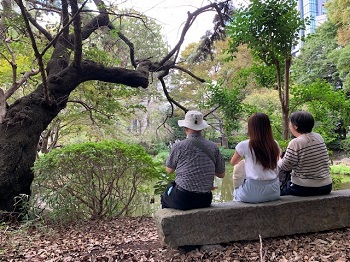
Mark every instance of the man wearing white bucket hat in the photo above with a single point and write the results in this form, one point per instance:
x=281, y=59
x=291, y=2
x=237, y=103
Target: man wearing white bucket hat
x=196, y=161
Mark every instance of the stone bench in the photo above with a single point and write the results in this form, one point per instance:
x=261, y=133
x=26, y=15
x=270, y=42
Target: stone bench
x=236, y=221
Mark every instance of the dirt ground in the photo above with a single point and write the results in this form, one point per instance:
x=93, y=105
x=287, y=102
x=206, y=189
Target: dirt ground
x=136, y=239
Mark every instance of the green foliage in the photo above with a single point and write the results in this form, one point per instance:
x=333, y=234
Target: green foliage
x=229, y=99
x=156, y=149
x=238, y=137
x=162, y=181
x=340, y=57
x=227, y=153
x=326, y=105
x=340, y=170
x=161, y=156
x=269, y=28
x=336, y=182
x=92, y=180
x=338, y=13
x=163, y=178
x=283, y=144
x=345, y=145
x=314, y=61
x=340, y=175
x=265, y=76
x=177, y=131
x=266, y=101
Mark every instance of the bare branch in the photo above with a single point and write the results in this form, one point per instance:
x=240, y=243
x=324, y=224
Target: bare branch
x=190, y=19
x=38, y=26
x=65, y=19
x=17, y=84
x=65, y=29
x=47, y=6
x=169, y=98
x=89, y=109
x=35, y=49
x=211, y=111
x=77, y=33
x=131, y=48
x=189, y=73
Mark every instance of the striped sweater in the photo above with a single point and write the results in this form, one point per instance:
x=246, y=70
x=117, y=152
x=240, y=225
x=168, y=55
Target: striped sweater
x=308, y=159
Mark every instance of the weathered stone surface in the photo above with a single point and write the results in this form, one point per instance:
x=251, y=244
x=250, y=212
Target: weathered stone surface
x=235, y=221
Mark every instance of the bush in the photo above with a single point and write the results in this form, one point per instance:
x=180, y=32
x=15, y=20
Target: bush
x=340, y=174
x=93, y=180
x=345, y=145
x=227, y=153
x=163, y=178
x=161, y=157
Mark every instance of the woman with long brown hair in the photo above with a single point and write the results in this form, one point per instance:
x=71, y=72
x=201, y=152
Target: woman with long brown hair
x=256, y=177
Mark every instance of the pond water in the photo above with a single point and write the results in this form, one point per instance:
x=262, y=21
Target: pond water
x=224, y=190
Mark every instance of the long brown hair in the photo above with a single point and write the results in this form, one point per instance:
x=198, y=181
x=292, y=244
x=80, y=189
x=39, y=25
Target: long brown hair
x=261, y=140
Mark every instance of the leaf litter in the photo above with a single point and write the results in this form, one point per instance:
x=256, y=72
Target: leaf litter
x=136, y=239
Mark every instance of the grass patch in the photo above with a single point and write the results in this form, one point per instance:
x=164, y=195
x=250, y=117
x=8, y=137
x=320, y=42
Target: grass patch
x=340, y=169
x=341, y=176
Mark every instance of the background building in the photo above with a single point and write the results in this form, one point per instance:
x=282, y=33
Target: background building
x=315, y=11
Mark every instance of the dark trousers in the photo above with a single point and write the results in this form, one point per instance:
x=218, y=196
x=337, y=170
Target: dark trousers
x=296, y=190
x=179, y=198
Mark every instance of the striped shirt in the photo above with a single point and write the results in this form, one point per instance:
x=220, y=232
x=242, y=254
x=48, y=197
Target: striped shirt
x=195, y=170
x=307, y=157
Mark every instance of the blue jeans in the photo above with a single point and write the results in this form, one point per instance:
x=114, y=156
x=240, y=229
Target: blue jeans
x=296, y=190
x=257, y=191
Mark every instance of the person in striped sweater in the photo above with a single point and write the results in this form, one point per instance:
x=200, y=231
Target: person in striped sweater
x=307, y=159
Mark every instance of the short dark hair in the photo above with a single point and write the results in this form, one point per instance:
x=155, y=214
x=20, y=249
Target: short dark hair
x=303, y=121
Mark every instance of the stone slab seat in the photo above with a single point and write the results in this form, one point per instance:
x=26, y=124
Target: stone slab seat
x=236, y=221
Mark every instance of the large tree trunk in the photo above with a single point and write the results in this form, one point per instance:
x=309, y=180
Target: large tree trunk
x=27, y=118
x=283, y=93
x=20, y=133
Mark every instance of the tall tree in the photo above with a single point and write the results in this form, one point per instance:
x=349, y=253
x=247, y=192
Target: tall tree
x=62, y=72
x=338, y=12
x=270, y=29
x=314, y=62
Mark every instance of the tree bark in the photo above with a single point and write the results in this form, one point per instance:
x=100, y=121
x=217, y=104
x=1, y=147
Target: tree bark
x=285, y=106
x=29, y=116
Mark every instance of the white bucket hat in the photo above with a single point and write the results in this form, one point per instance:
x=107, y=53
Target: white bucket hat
x=193, y=120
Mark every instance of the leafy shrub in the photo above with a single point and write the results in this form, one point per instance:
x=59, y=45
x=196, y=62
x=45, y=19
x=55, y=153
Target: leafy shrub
x=154, y=148
x=227, y=153
x=340, y=174
x=93, y=180
x=283, y=144
x=336, y=182
x=345, y=145
x=163, y=178
x=161, y=157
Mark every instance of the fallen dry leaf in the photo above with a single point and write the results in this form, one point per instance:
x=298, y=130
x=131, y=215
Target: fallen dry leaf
x=136, y=239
